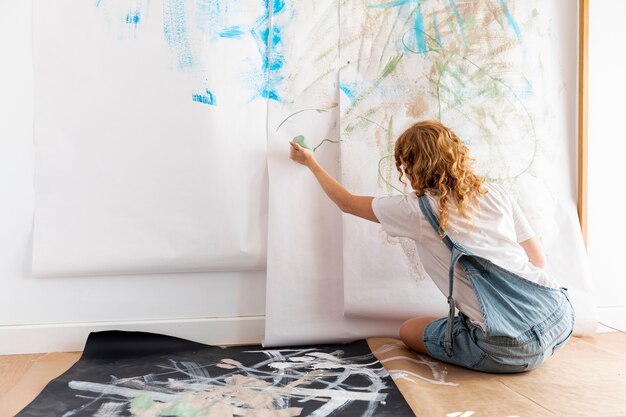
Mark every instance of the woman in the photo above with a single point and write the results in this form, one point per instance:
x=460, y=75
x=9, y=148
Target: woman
x=477, y=246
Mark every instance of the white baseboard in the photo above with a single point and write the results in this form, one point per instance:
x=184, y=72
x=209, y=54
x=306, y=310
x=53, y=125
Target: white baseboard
x=71, y=337
x=611, y=316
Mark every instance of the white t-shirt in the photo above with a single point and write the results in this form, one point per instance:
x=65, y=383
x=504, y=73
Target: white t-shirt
x=497, y=226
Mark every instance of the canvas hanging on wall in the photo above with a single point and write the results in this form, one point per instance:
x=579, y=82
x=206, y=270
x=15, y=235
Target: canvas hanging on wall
x=304, y=302
x=150, y=136
x=487, y=69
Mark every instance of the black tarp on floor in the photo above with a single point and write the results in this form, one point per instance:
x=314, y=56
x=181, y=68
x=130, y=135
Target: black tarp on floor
x=145, y=374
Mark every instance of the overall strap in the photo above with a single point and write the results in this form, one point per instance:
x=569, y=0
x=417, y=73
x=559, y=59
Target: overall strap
x=456, y=254
x=432, y=218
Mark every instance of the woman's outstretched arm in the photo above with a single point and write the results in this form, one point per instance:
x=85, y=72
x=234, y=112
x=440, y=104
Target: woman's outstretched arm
x=360, y=206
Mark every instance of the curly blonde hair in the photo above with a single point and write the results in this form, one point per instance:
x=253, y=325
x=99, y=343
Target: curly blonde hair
x=433, y=158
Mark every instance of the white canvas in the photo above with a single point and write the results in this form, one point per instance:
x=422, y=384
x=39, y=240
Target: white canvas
x=304, y=267
x=150, y=136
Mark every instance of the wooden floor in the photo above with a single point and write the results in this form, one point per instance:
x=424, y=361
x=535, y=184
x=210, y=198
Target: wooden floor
x=586, y=378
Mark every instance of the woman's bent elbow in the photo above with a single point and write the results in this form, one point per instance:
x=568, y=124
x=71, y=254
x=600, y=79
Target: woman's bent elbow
x=539, y=260
x=345, y=208
x=540, y=263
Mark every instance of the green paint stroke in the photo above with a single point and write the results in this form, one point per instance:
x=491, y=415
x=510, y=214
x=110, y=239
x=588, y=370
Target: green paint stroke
x=389, y=168
x=362, y=122
x=298, y=112
x=181, y=410
x=380, y=174
x=325, y=140
x=390, y=67
x=301, y=140
x=390, y=141
x=372, y=122
x=142, y=402
x=390, y=151
x=392, y=30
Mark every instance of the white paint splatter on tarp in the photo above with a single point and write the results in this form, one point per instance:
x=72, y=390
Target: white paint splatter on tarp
x=437, y=369
x=195, y=390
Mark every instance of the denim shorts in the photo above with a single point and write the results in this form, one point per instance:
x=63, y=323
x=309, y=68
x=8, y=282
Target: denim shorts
x=473, y=348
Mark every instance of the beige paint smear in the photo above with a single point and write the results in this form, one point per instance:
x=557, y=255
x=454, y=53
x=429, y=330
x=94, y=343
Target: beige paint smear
x=416, y=106
x=241, y=396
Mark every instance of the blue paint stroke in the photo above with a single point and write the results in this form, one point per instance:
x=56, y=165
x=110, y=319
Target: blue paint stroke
x=270, y=50
x=133, y=18
x=347, y=91
x=208, y=16
x=527, y=90
x=273, y=62
x=392, y=4
x=207, y=98
x=232, y=32
x=275, y=59
x=511, y=21
x=175, y=31
x=459, y=20
x=269, y=92
x=278, y=6
x=436, y=27
x=420, y=37
x=419, y=31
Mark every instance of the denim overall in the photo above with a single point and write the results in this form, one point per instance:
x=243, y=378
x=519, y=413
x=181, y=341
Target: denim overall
x=525, y=323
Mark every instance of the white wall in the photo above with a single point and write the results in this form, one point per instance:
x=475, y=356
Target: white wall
x=56, y=314
x=607, y=157
x=48, y=314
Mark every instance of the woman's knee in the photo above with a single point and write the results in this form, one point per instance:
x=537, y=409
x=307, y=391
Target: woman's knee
x=412, y=332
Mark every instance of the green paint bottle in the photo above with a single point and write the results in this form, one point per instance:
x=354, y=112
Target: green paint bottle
x=301, y=140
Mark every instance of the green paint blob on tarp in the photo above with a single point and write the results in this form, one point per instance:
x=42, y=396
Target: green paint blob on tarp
x=301, y=140
x=143, y=402
x=181, y=410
